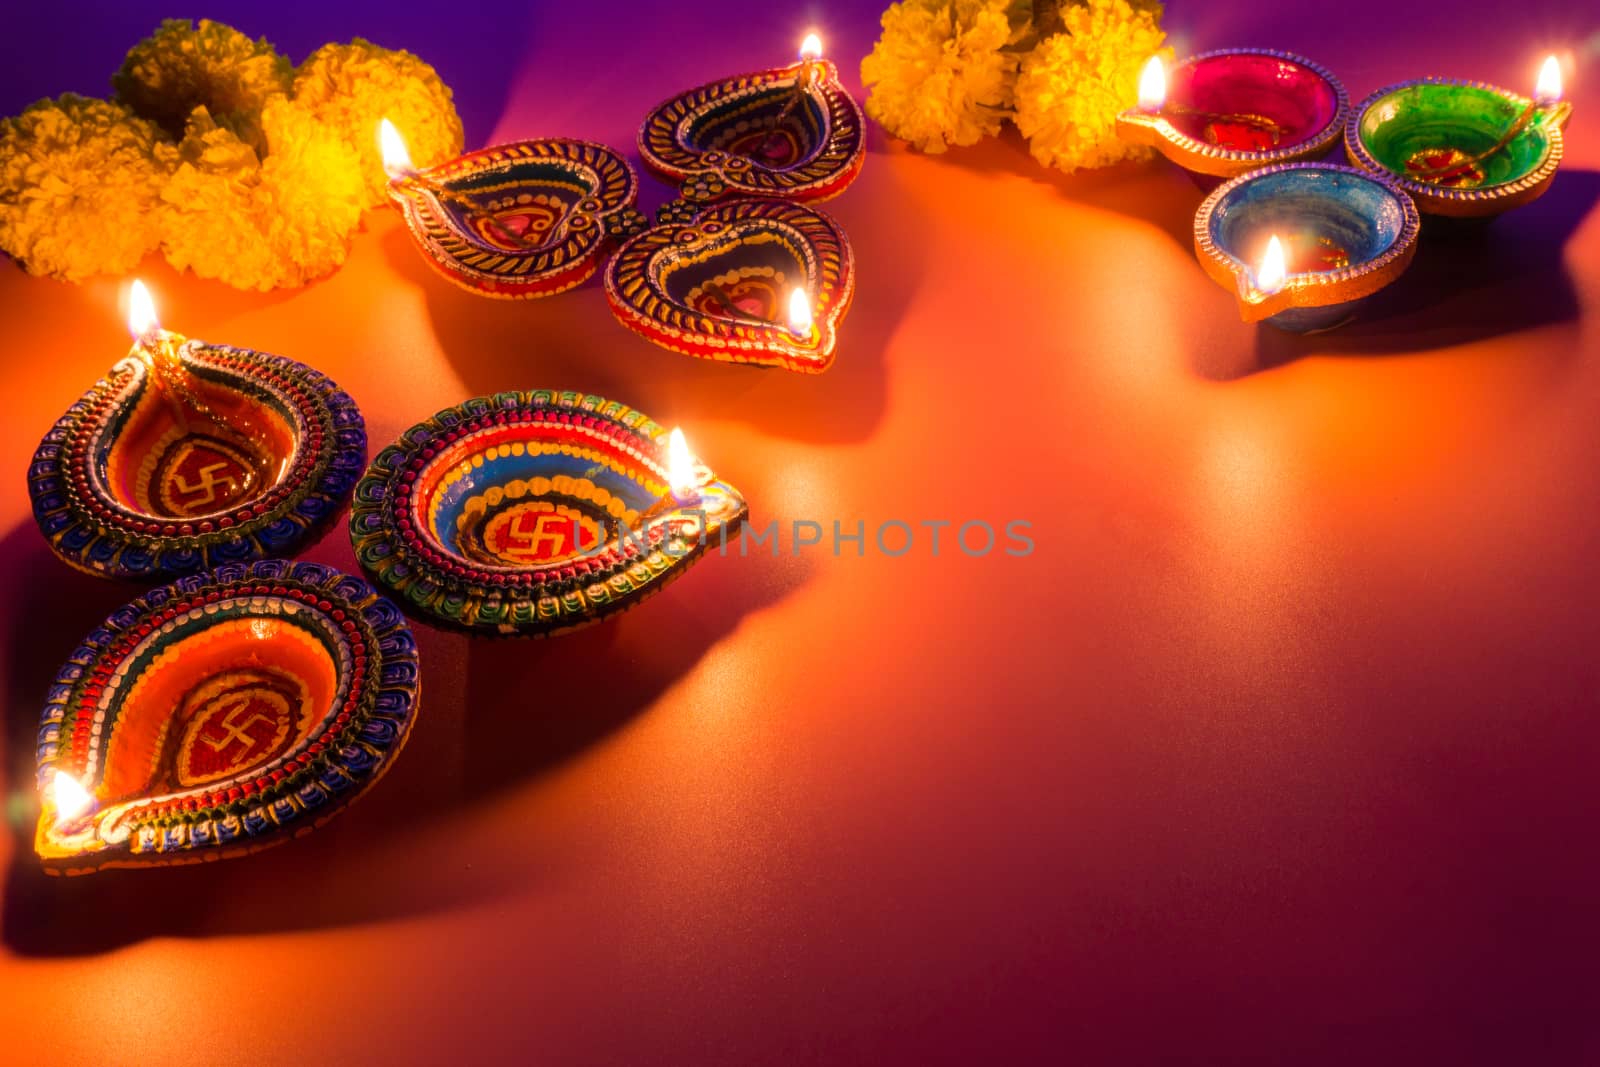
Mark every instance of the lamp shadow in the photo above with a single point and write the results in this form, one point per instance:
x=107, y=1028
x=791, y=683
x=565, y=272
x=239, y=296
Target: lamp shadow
x=1468, y=283
x=572, y=340
x=495, y=716
x=1153, y=191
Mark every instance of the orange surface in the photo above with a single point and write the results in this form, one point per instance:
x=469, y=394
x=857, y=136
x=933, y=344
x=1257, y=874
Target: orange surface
x=1281, y=744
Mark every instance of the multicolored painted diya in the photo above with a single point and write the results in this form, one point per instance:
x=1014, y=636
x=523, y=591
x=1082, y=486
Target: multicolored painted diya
x=1460, y=149
x=221, y=714
x=530, y=514
x=203, y=455
x=792, y=133
x=520, y=220
x=1344, y=234
x=1224, y=113
x=718, y=282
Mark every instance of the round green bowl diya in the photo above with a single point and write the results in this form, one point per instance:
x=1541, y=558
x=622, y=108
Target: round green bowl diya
x=529, y=514
x=1460, y=149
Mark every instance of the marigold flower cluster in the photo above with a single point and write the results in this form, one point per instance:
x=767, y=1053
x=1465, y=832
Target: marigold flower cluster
x=220, y=153
x=949, y=72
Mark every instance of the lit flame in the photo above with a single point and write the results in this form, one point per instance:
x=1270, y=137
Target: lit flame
x=1274, y=269
x=70, y=797
x=1152, y=85
x=681, y=475
x=396, y=160
x=811, y=47
x=1548, y=88
x=142, y=321
x=800, y=313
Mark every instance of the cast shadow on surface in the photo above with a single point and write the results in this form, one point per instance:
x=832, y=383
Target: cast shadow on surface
x=1468, y=283
x=495, y=716
x=1153, y=191
x=572, y=340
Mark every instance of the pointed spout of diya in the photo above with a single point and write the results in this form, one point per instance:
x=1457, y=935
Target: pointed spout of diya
x=144, y=325
x=810, y=52
x=1261, y=289
x=67, y=823
x=1143, y=124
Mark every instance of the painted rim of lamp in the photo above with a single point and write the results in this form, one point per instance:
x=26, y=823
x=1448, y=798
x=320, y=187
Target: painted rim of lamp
x=603, y=215
x=1308, y=289
x=667, y=147
x=88, y=527
x=345, y=656
x=1478, y=202
x=1202, y=157
x=636, y=283
x=470, y=467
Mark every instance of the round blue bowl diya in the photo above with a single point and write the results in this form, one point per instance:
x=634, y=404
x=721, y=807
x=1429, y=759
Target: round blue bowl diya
x=792, y=132
x=1462, y=149
x=221, y=714
x=530, y=514
x=1302, y=244
x=188, y=455
x=520, y=220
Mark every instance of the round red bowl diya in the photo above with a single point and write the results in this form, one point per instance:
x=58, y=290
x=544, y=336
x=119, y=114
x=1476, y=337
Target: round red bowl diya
x=1461, y=149
x=763, y=282
x=1225, y=113
x=221, y=714
x=1302, y=244
x=521, y=220
x=792, y=132
x=530, y=514
x=188, y=455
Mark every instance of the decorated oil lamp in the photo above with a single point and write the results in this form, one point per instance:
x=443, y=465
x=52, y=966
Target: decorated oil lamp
x=1302, y=244
x=763, y=282
x=189, y=454
x=1224, y=113
x=1463, y=149
x=519, y=220
x=530, y=514
x=792, y=132
x=221, y=714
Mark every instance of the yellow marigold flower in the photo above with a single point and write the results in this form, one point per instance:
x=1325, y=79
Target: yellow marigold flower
x=281, y=222
x=79, y=183
x=181, y=67
x=352, y=87
x=937, y=77
x=1073, y=85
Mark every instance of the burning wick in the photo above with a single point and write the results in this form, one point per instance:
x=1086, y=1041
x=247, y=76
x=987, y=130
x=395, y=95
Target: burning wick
x=1547, y=90
x=800, y=314
x=396, y=158
x=142, y=321
x=1274, y=270
x=1152, y=86
x=72, y=801
x=810, y=52
x=682, y=477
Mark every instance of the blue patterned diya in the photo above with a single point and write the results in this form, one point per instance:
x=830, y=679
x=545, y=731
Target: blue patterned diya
x=1343, y=234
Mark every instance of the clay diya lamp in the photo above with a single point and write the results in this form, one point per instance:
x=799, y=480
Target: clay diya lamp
x=221, y=714
x=1225, y=113
x=764, y=282
x=1463, y=149
x=189, y=454
x=792, y=132
x=529, y=514
x=1301, y=244
x=527, y=219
